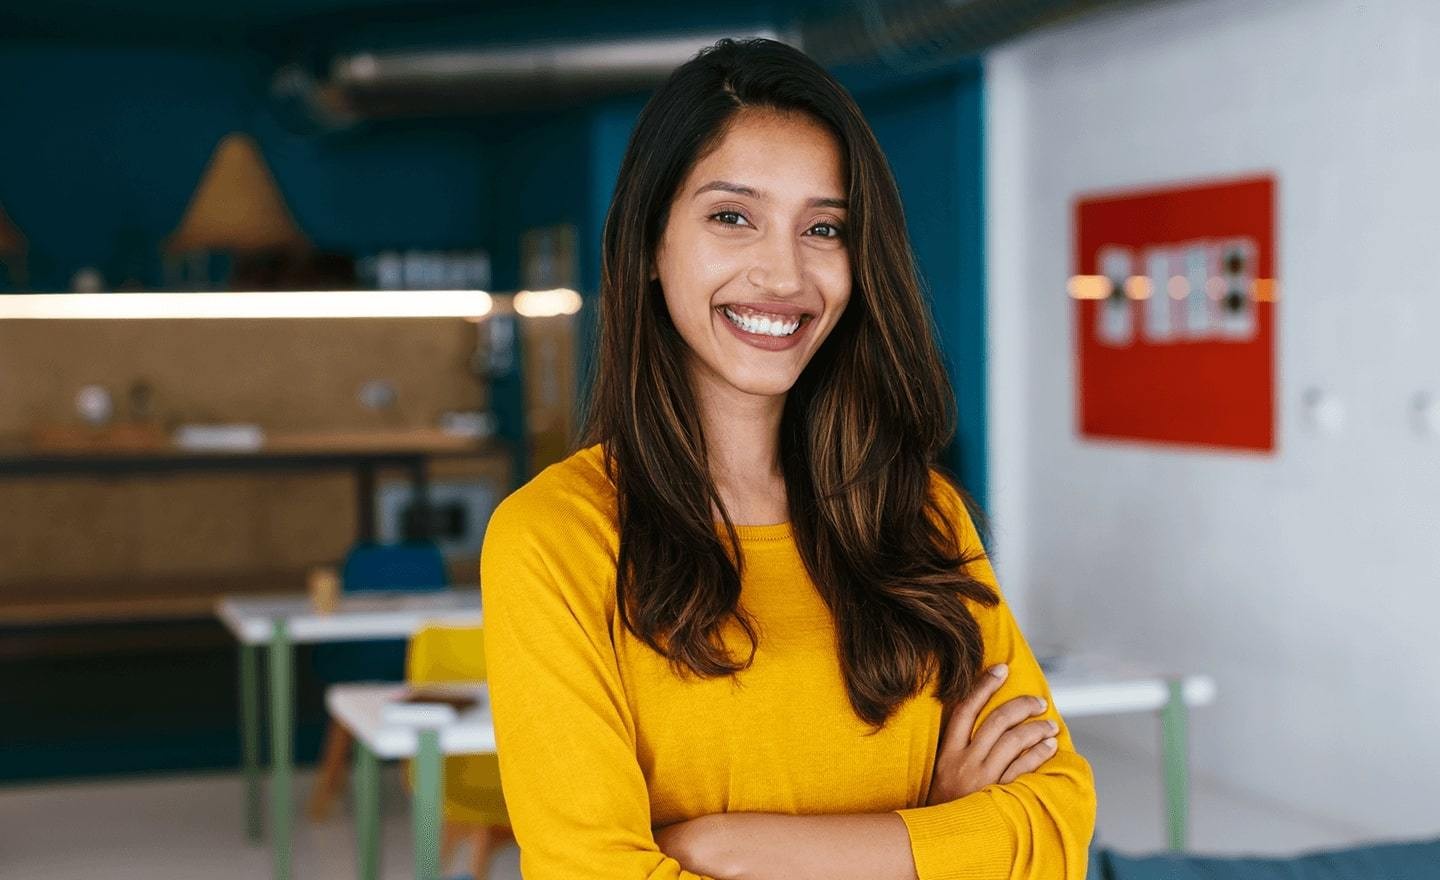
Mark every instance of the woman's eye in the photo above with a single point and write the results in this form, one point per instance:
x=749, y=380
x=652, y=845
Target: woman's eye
x=834, y=231
x=729, y=218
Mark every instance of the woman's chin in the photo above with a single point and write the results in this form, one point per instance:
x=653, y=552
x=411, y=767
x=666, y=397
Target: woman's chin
x=763, y=386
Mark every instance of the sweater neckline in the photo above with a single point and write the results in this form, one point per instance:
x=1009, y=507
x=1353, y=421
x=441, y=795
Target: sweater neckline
x=762, y=532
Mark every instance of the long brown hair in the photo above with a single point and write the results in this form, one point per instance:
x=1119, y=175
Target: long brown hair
x=861, y=430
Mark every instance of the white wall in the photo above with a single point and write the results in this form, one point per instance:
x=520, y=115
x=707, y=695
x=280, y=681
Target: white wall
x=1308, y=581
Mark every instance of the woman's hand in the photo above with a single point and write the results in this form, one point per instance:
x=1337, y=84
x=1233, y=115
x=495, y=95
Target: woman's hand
x=1004, y=747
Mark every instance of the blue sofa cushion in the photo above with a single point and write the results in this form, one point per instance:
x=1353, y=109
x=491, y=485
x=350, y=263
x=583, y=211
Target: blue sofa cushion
x=1391, y=861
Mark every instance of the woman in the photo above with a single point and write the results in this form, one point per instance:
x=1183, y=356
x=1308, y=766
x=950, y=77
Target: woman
x=723, y=638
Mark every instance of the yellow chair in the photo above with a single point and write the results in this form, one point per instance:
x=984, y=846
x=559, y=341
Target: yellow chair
x=474, y=806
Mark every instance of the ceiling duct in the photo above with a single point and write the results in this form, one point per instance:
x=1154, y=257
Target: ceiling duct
x=487, y=80
x=904, y=35
x=915, y=35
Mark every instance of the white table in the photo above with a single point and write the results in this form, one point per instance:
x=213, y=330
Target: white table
x=1090, y=684
x=359, y=708
x=279, y=623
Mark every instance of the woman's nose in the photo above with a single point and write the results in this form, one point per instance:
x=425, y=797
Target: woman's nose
x=778, y=266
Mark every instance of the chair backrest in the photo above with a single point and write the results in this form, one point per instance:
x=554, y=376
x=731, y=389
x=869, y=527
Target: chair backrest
x=412, y=565
x=446, y=653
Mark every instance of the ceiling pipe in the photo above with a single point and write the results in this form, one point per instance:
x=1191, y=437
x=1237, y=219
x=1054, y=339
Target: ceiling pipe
x=915, y=35
x=468, y=81
x=904, y=35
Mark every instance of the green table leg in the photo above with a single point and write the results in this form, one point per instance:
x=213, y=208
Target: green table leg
x=250, y=737
x=367, y=812
x=429, y=790
x=282, y=744
x=1175, y=745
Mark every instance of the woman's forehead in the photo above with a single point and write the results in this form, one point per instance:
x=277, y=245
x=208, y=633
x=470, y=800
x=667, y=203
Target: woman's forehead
x=772, y=156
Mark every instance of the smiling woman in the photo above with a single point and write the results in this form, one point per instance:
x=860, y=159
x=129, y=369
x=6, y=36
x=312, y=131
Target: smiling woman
x=770, y=248
x=743, y=630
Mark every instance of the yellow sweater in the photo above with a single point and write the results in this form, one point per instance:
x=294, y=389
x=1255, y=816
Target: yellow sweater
x=599, y=742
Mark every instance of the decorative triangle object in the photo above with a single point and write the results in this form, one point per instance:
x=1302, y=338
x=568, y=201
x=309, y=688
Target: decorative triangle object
x=237, y=207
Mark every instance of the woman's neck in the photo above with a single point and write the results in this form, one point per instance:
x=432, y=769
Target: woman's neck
x=742, y=439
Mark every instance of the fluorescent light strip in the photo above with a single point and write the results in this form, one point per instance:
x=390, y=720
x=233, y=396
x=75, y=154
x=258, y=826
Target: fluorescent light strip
x=257, y=304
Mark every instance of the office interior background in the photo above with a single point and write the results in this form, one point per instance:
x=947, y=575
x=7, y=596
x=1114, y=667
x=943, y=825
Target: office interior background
x=155, y=463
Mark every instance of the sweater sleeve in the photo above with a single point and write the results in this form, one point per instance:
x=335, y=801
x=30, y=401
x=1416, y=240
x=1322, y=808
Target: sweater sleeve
x=1037, y=827
x=578, y=803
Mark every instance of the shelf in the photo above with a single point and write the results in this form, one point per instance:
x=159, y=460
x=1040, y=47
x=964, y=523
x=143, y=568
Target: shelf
x=41, y=603
x=278, y=444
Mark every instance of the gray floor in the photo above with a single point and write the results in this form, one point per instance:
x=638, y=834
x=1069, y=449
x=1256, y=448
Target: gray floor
x=189, y=826
x=185, y=827
x=1222, y=822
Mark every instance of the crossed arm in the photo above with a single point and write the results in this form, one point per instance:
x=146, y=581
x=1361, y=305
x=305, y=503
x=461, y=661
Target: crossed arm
x=972, y=755
x=762, y=846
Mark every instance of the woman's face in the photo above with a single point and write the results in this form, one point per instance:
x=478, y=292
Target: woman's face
x=753, y=260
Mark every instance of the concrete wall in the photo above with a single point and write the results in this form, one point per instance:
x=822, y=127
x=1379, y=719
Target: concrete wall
x=1307, y=581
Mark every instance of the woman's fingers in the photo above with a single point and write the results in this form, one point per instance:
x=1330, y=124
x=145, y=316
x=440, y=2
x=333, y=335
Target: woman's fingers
x=1006, y=744
x=961, y=719
x=1031, y=759
x=1014, y=743
x=1010, y=714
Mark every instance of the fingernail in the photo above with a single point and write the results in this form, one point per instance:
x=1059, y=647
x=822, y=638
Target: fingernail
x=1054, y=728
x=1000, y=671
x=1048, y=743
x=1042, y=702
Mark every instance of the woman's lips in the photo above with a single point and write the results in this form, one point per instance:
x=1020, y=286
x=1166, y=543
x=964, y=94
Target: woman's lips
x=760, y=340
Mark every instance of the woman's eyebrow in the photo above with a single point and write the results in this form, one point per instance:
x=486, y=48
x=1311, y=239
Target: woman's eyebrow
x=741, y=189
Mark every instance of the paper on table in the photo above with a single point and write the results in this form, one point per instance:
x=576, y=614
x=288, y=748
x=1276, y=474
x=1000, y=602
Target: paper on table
x=418, y=714
x=433, y=704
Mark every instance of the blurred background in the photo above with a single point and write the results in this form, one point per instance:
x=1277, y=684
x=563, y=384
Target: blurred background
x=292, y=293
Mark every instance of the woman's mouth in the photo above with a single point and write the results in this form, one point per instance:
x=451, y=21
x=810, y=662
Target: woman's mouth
x=764, y=325
x=766, y=331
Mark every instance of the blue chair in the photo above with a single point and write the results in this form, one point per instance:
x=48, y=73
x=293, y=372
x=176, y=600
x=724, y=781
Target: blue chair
x=417, y=566
x=410, y=565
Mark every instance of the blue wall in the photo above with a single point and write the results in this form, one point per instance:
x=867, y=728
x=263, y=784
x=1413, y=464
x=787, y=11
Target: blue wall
x=104, y=147
x=932, y=132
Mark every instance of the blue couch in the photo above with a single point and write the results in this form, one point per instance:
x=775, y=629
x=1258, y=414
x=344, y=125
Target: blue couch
x=1391, y=861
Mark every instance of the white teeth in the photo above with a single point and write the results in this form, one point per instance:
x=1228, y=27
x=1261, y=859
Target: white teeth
x=763, y=326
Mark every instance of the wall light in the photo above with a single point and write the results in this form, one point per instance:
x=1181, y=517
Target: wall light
x=1137, y=287
x=1089, y=286
x=547, y=303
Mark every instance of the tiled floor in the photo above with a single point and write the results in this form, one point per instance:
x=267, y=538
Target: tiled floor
x=189, y=826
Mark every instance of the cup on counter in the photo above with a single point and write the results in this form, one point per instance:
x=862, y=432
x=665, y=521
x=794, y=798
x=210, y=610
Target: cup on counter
x=324, y=587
